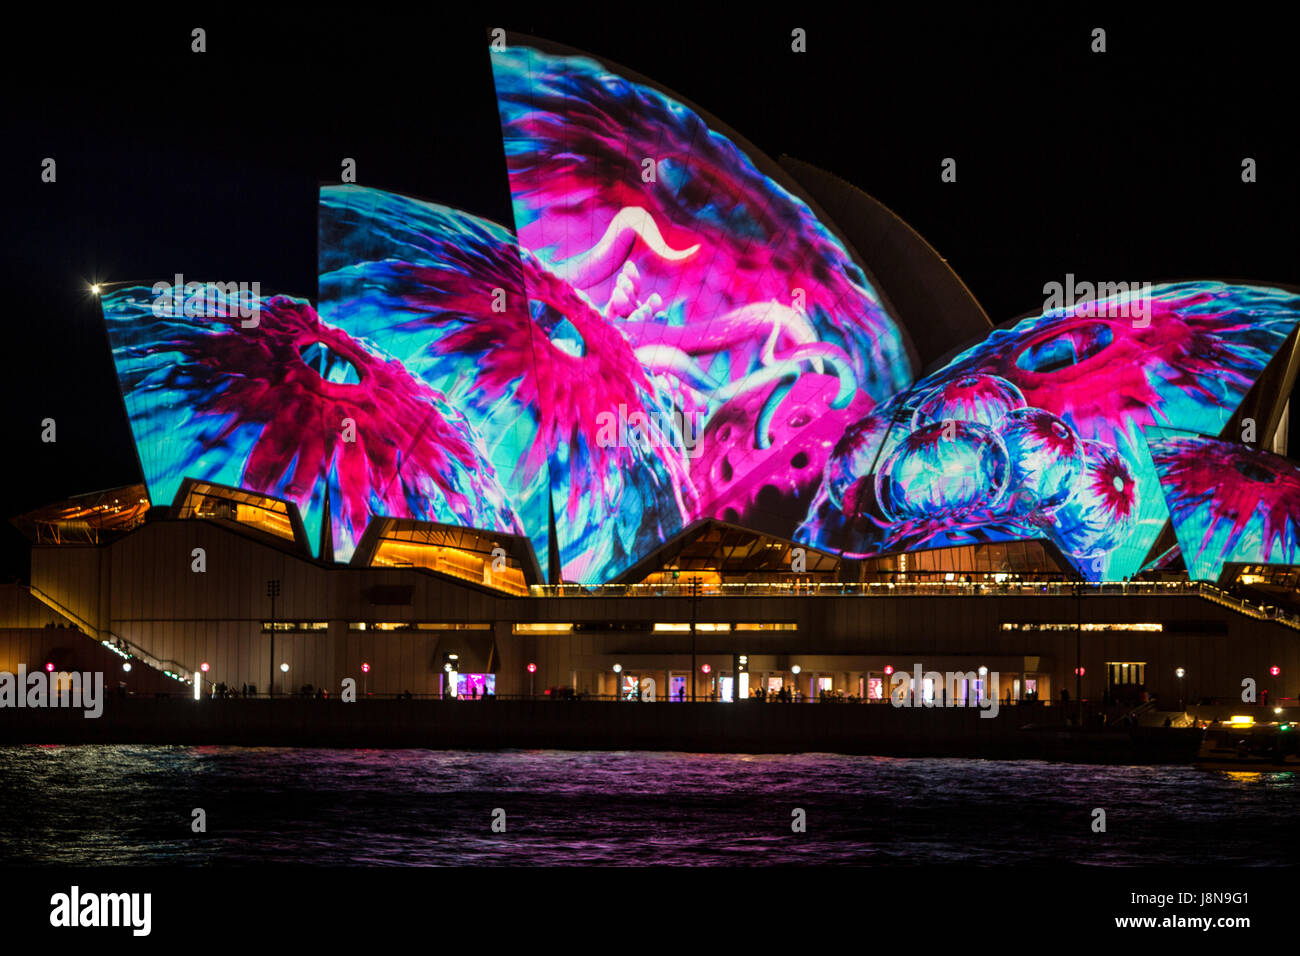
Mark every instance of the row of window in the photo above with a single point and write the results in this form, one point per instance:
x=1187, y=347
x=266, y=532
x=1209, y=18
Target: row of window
x=524, y=628
x=1083, y=627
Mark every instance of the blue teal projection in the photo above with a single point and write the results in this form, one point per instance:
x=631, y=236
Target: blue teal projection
x=291, y=407
x=1036, y=432
x=1230, y=503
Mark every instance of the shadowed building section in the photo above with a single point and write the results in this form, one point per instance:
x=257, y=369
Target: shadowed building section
x=929, y=299
x=716, y=553
x=86, y=518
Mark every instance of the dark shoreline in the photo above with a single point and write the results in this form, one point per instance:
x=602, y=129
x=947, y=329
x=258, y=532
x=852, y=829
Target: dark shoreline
x=749, y=727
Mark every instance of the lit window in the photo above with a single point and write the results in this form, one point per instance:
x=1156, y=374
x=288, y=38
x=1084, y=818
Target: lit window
x=543, y=629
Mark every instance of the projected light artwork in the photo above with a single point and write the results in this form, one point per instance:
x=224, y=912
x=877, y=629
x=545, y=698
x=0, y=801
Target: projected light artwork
x=672, y=334
x=1037, y=431
x=1230, y=503
x=746, y=315
x=290, y=407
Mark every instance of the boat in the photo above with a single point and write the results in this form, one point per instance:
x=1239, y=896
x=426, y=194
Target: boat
x=1242, y=744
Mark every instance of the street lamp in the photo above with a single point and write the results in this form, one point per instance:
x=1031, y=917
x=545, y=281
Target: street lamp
x=618, y=691
x=532, y=671
x=1180, y=674
x=695, y=593
x=365, y=679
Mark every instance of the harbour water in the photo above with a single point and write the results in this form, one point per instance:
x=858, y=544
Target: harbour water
x=93, y=805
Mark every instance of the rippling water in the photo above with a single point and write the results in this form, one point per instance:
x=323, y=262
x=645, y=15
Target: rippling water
x=92, y=805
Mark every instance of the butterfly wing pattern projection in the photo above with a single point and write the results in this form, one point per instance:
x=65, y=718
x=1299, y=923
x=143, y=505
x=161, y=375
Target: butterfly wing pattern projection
x=288, y=406
x=671, y=334
x=442, y=292
x=1230, y=503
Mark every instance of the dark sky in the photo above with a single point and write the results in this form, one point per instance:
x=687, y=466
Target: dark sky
x=1118, y=166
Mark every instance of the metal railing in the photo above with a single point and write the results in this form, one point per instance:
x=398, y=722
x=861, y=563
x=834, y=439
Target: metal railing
x=926, y=589
x=115, y=642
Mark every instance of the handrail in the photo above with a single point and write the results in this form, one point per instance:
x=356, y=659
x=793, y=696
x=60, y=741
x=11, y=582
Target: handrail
x=929, y=588
x=169, y=667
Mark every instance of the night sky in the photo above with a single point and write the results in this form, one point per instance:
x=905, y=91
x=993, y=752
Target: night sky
x=1123, y=166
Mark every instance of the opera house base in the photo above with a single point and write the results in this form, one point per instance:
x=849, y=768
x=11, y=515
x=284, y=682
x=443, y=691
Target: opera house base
x=1018, y=732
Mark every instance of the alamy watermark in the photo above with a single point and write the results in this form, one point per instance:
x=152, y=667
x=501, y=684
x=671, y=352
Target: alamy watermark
x=210, y=300
x=77, y=909
x=83, y=690
x=644, y=431
x=1112, y=300
x=948, y=689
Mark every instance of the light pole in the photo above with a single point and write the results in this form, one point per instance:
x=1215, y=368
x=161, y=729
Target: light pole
x=618, y=691
x=1078, y=652
x=532, y=672
x=273, y=592
x=695, y=590
x=284, y=669
x=1180, y=673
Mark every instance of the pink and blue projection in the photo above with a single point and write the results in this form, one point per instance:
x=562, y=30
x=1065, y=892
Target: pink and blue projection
x=1230, y=503
x=670, y=335
x=709, y=293
x=1037, y=431
x=292, y=406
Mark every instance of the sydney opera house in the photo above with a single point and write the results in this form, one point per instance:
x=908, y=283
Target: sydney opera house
x=694, y=416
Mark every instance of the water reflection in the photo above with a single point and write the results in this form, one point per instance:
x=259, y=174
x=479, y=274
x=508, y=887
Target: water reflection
x=132, y=804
